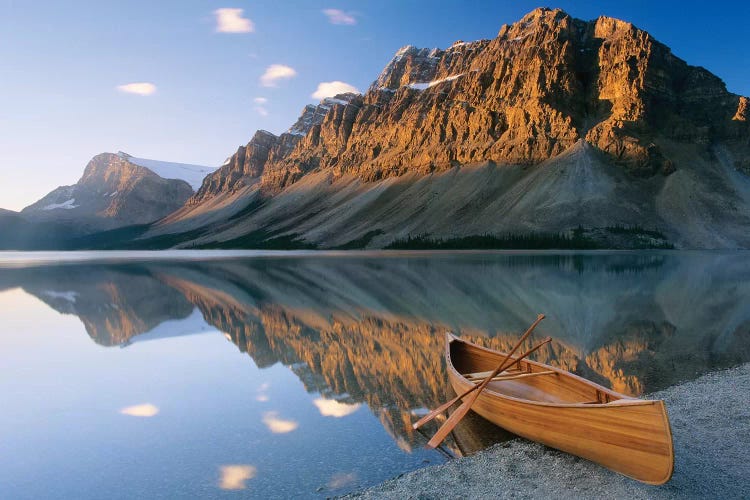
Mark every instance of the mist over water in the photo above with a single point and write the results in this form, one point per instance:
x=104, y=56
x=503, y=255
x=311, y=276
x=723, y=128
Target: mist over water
x=298, y=374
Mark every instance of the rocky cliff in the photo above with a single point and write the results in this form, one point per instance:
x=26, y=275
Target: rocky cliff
x=553, y=124
x=265, y=156
x=117, y=190
x=541, y=85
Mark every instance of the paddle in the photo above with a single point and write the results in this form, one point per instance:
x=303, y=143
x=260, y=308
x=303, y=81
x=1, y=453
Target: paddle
x=462, y=410
x=437, y=411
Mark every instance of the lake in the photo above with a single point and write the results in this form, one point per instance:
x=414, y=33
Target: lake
x=297, y=374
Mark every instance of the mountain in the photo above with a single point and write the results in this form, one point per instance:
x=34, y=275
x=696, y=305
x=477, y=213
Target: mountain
x=17, y=232
x=118, y=190
x=555, y=124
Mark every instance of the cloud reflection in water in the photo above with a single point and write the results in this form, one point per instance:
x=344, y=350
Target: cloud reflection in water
x=278, y=425
x=263, y=392
x=341, y=480
x=233, y=477
x=333, y=408
x=143, y=410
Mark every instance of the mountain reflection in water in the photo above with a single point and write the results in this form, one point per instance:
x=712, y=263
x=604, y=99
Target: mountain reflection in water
x=358, y=329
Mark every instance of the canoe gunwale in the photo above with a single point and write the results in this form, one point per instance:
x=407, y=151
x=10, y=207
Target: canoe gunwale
x=621, y=401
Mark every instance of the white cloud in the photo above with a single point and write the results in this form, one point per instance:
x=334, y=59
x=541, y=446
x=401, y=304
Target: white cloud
x=330, y=89
x=278, y=425
x=262, y=111
x=333, y=408
x=276, y=72
x=231, y=21
x=233, y=477
x=139, y=88
x=336, y=16
x=144, y=410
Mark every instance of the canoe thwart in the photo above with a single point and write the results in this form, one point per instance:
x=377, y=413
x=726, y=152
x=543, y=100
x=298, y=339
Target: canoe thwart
x=484, y=375
x=500, y=378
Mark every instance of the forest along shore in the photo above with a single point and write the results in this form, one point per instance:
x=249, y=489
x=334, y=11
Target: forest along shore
x=710, y=419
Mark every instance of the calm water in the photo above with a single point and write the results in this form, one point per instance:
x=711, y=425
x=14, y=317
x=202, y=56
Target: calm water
x=279, y=375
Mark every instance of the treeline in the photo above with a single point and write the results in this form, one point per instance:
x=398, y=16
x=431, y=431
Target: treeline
x=636, y=229
x=510, y=241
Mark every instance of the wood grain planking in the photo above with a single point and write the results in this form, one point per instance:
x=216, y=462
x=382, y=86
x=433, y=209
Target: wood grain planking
x=629, y=436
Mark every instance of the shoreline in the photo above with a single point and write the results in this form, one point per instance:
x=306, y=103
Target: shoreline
x=710, y=421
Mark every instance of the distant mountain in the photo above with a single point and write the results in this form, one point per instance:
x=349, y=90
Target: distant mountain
x=119, y=190
x=556, y=126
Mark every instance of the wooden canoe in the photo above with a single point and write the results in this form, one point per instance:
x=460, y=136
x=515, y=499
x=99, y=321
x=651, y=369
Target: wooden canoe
x=567, y=412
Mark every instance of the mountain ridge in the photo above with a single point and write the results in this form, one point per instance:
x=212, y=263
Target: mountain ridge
x=646, y=133
x=555, y=125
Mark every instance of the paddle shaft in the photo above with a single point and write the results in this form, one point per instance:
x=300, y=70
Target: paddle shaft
x=440, y=409
x=462, y=410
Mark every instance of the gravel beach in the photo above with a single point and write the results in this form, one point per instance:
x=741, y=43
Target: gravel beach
x=710, y=420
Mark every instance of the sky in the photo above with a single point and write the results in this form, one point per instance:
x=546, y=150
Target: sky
x=191, y=80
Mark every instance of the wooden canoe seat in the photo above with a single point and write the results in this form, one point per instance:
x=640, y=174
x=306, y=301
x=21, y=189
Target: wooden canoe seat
x=483, y=375
x=505, y=375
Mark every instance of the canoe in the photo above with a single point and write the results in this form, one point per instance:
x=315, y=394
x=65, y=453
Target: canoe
x=567, y=412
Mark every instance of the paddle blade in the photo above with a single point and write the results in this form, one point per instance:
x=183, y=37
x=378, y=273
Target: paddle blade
x=449, y=424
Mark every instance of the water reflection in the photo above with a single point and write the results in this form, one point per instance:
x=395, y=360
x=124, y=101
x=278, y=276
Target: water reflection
x=370, y=330
x=333, y=408
x=278, y=425
x=142, y=410
x=234, y=477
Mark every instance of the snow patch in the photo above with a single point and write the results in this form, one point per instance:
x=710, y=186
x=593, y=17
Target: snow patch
x=69, y=296
x=192, y=174
x=193, y=324
x=403, y=50
x=426, y=85
x=336, y=101
x=419, y=86
x=67, y=205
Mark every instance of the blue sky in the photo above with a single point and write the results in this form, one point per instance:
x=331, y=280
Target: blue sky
x=61, y=63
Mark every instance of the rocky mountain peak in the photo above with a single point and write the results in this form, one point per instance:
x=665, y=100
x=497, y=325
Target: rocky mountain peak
x=409, y=65
x=265, y=150
x=607, y=27
x=112, y=192
x=313, y=114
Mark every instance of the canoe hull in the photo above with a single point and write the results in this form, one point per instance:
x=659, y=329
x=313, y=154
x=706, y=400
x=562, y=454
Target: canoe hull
x=629, y=436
